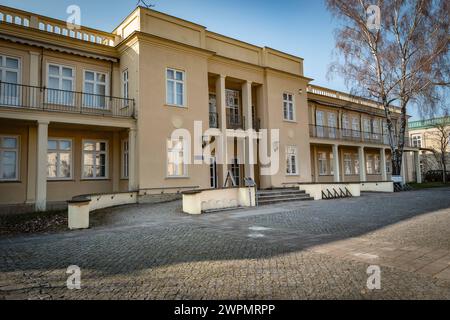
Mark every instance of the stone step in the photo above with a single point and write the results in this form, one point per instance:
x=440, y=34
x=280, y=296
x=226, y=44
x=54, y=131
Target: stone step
x=274, y=201
x=274, y=193
x=282, y=196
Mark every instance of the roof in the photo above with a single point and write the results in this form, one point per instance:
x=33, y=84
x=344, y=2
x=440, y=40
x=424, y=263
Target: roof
x=428, y=123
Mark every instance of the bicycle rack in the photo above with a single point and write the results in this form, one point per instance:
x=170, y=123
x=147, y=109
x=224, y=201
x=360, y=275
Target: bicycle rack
x=335, y=194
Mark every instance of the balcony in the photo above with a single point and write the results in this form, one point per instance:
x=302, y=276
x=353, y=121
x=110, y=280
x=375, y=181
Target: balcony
x=331, y=133
x=45, y=99
x=234, y=121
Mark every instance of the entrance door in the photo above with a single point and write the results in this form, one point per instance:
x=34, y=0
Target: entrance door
x=213, y=173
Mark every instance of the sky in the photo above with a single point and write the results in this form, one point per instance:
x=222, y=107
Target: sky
x=300, y=27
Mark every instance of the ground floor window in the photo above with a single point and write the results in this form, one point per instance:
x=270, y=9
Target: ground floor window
x=377, y=164
x=175, y=158
x=95, y=159
x=348, y=164
x=388, y=165
x=356, y=164
x=236, y=171
x=59, y=159
x=291, y=160
x=125, y=158
x=9, y=158
x=323, y=163
x=370, y=164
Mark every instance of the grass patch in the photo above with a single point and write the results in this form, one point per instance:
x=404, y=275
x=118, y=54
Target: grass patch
x=428, y=185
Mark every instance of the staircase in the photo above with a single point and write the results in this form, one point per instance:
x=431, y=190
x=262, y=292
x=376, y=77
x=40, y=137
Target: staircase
x=281, y=195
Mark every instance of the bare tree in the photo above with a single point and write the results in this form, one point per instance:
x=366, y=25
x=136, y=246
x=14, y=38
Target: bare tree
x=440, y=143
x=402, y=61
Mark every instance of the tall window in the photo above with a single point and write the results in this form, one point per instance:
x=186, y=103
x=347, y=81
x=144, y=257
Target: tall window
x=356, y=164
x=388, y=165
x=9, y=78
x=417, y=141
x=347, y=164
x=385, y=132
x=355, y=127
x=175, y=87
x=323, y=163
x=370, y=165
x=376, y=129
x=346, y=125
x=125, y=158
x=320, y=123
x=95, y=159
x=291, y=160
x=376, y=164
x=366, y=128
x=175, y=158
x=9, y=158
x=288, y=107
x=125, y=90
x=95, y=88
x=332, y=124
x=59, y=159
x=236, y=170
x=233, y=109
x=60, y=85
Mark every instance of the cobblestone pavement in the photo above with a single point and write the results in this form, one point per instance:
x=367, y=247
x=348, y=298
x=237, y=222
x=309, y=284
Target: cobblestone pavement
x=302, y=250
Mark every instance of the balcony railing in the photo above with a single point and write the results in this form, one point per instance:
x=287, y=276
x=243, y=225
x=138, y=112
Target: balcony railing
x=234, y=121
x=331, y=133
x=45, y=99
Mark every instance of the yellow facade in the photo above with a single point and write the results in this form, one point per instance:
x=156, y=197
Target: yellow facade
x=88, y=85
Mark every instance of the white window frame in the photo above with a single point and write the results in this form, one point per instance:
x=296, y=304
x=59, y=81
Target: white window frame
x=348, y=163
x=415, y=138
x=58, y=151
x=182, y=82
x=370, y=164
x=332, y=125
x=356, y=127
x=324, y=160
x=60, y=80
x=290, y=107
x=125, y=84
x=17, y=150
x=185, y=166
x=106, y=152
x=3, y=70
x=376, y=164
x=291, y=151
x=125, y=156
x=95, y=94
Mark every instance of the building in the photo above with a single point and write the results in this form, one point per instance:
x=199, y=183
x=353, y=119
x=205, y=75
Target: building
x=425, y=135
x=86, y=111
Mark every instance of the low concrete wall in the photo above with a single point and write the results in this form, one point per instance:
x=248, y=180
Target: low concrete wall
x=102, y=201
x=197, y=202
x=315, y=190
x=384, y=186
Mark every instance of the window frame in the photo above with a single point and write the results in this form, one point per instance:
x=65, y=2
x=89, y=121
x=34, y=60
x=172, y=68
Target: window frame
x=348, y=160
x=125, y=159
x=57, y=163
x=60, y=81
x=106, y=177
x=325, y=161
x=17, y=150
x=184, y=86
x=415, y=138
x=289, y=162
x=294, y=113
x=185, y=166
x=94, y=94
x=19, y=72
x=126, y=84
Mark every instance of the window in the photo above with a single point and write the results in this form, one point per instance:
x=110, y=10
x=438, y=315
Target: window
x=95, y=88
x=236, y=171
x=347, y=164
x=60, y=85
x=377, y=164
x=125, y=158
x=323, y=163
x=332, y=124
x=385, y=133
x=175, y=87
x=376, y=129
x=233, y=111
x=59, y=159
x=356, y=164
x=370, y=166
x=355, y=127
x=388, y=165
x=346, y=125
x=125, y=90
x=320, y=123
x=9, y=160
x=417, y=141
x=95, y=159
x=288, y=107
x=9, y=78
x=367, y=131
x=331, y=164
x=175, y=158
x=291, y=160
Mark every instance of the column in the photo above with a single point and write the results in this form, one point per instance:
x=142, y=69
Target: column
x=41, y=170
x=116, y=168
x=418, y=169
x=403, y=169
x=249, y=141
x=362, y=164
x=383, y=164
x=133, y=184
x=222, y=108
x=336, y=163
x=31, y=166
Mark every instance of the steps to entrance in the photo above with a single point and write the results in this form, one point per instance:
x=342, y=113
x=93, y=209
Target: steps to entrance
x=273, y=196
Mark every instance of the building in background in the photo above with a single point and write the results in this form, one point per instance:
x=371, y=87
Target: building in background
x=86, y=111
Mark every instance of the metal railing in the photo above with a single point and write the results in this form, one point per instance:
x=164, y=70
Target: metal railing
x=234, y=121
x=46, y=99
x=332, y=133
